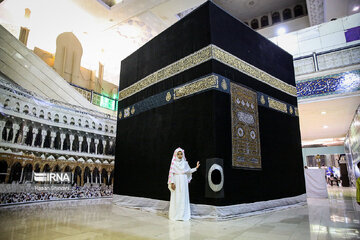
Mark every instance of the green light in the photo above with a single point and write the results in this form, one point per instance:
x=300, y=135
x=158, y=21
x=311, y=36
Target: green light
x=107, y=103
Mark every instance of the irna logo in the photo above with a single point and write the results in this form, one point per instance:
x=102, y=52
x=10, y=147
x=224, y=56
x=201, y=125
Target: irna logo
x=53, y=177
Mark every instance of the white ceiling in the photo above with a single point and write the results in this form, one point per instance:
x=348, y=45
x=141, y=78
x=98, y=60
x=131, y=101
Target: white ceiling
x=106, y=34
x=339, y=114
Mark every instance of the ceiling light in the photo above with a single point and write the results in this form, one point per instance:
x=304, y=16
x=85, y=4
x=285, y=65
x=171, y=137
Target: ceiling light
x=323, y=112
x=325, y=126
x=281, y=31
x=355, y=8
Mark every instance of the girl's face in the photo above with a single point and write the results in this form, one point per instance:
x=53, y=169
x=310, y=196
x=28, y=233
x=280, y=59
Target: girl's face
x=179, y=155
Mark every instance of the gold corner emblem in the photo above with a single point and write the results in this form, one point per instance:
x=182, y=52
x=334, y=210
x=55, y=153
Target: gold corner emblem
x=126, y=112
x=291, y=109
x=262, y=99
x=120, y=115
x=224, y=85
x=168, y=96
x=133, y=110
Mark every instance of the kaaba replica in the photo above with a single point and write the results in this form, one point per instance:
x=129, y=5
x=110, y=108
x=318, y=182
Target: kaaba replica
x=212, y=86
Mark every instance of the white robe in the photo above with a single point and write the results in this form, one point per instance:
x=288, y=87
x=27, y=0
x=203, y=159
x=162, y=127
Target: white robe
x=179, y=200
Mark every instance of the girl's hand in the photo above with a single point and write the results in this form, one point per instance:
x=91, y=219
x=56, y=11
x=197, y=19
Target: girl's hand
x=173, y=186
x=197, y=164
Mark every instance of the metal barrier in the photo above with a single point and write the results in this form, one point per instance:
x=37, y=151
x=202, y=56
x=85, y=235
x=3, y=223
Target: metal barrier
x=339, y=57
x=97, y=99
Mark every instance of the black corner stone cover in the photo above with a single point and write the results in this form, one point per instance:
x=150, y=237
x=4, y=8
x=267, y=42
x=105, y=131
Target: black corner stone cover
x=201, y=123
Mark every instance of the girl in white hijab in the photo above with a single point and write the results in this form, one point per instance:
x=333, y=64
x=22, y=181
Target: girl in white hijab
x=179, y=177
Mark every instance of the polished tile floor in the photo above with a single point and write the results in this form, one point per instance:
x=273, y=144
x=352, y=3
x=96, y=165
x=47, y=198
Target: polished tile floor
x=335, y=218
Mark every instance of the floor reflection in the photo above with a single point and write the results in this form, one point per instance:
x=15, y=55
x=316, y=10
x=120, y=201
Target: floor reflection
x=335, y=218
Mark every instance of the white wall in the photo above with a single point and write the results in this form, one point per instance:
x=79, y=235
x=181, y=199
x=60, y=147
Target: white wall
x=290, y=26
x=335, y=9
x=322, y=151
x=323, y=37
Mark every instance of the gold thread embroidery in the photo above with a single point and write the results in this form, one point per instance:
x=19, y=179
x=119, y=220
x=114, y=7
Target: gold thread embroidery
x=296, y=111
x=242, y=66
x=262, y=99
x=212, y=81
x=168, y=97
x=181, y=65
x=198, y=57
x=245, y=128
x=224, y=84
x=277, y=105
x=197, y=86
x=126, y=112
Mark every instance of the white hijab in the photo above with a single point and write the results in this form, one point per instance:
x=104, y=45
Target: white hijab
x=179, y=166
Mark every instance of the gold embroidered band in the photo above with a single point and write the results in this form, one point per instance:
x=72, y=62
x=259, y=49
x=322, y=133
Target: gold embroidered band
x=201, y=56
x=280, y=106
x=197, y=86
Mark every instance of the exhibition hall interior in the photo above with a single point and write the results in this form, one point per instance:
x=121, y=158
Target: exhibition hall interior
x=180, y=119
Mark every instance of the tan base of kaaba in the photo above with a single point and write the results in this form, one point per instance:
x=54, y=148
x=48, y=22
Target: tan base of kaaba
x=202, y=211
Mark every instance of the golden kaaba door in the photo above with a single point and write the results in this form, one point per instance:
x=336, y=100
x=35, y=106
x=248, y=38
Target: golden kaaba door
x=245, y=128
